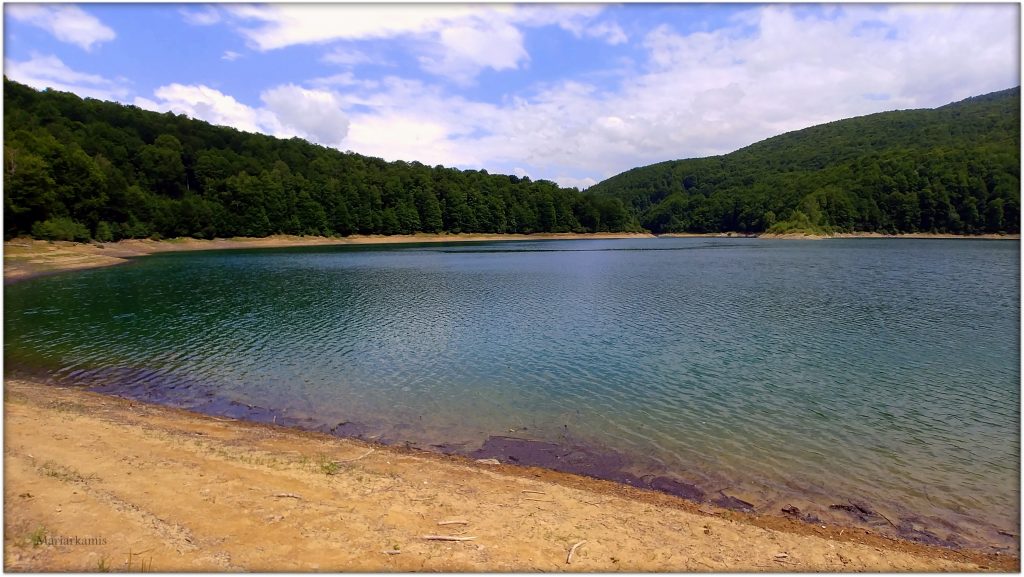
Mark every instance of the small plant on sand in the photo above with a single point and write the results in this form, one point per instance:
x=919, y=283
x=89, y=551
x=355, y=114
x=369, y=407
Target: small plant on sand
x=102, y=566
x=37, y=537
x=327, y=466
x=142, y=567
x=62, y=473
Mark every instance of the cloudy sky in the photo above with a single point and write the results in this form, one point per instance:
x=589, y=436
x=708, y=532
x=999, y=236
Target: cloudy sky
x=573, y=93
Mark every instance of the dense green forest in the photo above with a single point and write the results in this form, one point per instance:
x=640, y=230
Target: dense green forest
x=80, y=169
x=954, y=169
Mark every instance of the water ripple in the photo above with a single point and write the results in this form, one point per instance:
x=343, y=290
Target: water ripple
x=884, y=371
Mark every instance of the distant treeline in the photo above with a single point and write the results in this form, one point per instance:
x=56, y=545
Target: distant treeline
x=954, y=169
x=87, y=169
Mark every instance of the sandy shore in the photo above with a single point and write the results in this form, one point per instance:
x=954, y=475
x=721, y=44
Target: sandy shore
x=95, y=482
x=803, y=236
x=26, y=257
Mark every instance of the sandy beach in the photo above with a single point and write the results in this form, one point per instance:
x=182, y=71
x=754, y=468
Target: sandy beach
x=94, y=482
x=919, y=235
x=26, y=257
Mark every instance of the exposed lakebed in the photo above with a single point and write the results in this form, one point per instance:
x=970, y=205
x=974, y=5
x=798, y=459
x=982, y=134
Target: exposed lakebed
x=873, y=382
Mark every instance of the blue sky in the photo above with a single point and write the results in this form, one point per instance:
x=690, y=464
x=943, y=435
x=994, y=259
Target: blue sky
x=573, y=93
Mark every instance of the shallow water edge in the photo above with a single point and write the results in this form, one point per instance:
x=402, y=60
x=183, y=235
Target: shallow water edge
x=568, y=455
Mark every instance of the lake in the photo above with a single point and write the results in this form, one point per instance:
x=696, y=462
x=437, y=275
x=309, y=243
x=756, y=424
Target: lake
x=874, y=382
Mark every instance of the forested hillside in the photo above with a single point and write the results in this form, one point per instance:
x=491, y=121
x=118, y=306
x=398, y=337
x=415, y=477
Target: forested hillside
x=80, y=169
x=954, y=169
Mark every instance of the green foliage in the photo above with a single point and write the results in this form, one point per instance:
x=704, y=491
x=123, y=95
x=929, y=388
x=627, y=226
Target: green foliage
x=123, y=172
x=953, y=169
x=37, y=537
x=61, y=228
x=103, y=232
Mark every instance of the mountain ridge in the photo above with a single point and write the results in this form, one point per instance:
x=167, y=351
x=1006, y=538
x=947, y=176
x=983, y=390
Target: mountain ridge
x=84, y=169
x=865, y=173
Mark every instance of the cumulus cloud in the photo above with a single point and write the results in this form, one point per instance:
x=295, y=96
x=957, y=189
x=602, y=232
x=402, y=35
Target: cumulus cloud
x=66, y=23
x=211, y=105
x=43, y=72
x=464, y=50
x=770, y=70
x=314, y=114
x=572, y=182
x=287, y=110
x=454, y=41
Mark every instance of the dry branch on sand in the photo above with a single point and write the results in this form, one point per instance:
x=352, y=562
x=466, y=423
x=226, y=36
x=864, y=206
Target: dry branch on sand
x=572, y=551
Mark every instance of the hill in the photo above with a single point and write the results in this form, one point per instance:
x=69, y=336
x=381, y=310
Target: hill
x=953, y=169
x=76, y=169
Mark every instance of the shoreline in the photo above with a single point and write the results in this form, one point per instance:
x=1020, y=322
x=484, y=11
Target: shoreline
x=910, y=235
x=176, y=483
x=26, y=258
x=575, y=456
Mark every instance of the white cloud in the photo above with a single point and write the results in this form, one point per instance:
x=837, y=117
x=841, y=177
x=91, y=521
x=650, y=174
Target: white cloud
x=348, y=57
x=66, y=23
x=208, y=16
x=269, y=27
x=230, y=55
x=313, y=114
x=770, y=69
x=454, y=41
x=344, y=79
x=213, y=106
x=570, y=182
x=287, y=110
x=465, y=50
x=702, y=93
x=611, y=32
x=43, y=72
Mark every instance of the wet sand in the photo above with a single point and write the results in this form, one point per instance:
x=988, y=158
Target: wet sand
x=94, y=482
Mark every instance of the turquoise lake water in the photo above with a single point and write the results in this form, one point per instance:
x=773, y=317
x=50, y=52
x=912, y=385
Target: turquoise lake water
x=880, y=372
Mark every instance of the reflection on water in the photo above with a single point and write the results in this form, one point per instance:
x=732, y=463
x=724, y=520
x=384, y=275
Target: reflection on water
x=881, y=372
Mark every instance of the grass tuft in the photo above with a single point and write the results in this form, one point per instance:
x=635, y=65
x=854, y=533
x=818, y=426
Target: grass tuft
x=326, y=465
x=37, y=537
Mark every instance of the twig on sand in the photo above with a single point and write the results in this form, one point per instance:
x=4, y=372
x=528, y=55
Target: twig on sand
x=572, y=551
x=880, y=514
x=446, y=538
x=534, y=492
x=453, y=522
x=538, y=500
x=390, y=552
x=366, y=454
x=288, y=496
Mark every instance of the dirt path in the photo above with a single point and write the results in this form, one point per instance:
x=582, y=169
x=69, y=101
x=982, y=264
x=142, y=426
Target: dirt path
x=148, y=488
